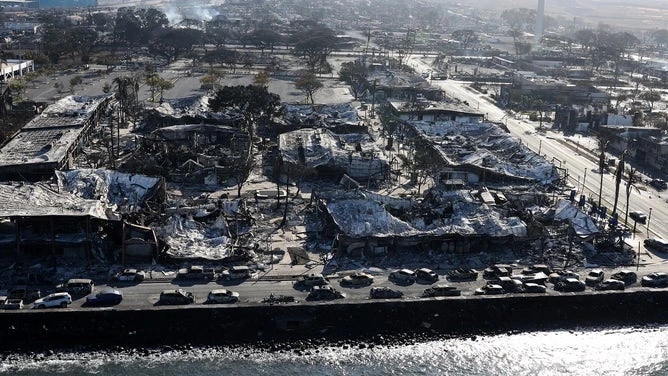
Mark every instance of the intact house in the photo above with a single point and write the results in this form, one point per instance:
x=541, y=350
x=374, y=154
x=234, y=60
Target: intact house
x=52, y=139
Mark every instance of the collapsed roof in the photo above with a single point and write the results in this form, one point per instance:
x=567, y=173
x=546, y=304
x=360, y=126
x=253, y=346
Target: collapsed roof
x=356, y=154
x=129, y=191
x=486, y=146
x=363, y=217
x=321, y=115
x=40, y=200
x=581, y=223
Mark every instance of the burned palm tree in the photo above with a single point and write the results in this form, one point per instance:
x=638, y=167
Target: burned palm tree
x=632, y=178
x=619, y=174
x=603, y=143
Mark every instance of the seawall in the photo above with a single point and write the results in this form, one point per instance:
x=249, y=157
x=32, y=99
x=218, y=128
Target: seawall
x=230, y=324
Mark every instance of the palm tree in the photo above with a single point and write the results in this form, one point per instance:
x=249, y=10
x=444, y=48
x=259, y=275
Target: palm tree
x=603, y=143
x=619, y=174
x=633, y=177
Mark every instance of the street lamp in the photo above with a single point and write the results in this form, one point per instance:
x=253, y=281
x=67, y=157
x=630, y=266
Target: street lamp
x=649, y=218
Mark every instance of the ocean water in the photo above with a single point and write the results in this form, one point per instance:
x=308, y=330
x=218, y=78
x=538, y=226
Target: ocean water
x=619, y=351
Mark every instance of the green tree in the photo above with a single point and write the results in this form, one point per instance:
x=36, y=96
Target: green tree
x=632, y=177
x=466, y=37
x=602, y=142
x=314, y=45
x=173, y=43
x=261, y=78
x=619, y=174
x=519, y=18
x=308, y=84
x=255, y=103
x=355, y=74
x=74, y=81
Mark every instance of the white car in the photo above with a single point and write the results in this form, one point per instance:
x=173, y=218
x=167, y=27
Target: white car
x=403, y=276
x=129, y=275
x=58, y=299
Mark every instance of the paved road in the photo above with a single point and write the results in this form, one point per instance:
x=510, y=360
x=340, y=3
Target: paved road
x=578, y=163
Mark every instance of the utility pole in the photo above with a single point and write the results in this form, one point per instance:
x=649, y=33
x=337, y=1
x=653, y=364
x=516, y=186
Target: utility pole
x=649, y=218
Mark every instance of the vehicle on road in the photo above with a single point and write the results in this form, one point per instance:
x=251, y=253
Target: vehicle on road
x=658, y=279
x=196, y=272
x=427, y=275
x=441, y=290
x=638, y=217
x=610, y=284
x=222, y=296
x=385, y=293
x=236, y=272
x=58, y=299
x=594, y=277
x=325, y=292
x=570, y=285
x=311, y=280
x=659, y=184
x=129, y=275
x=25, y=293
x=402, y=276
x=533, y=288
x=498, y=270
x=490, y=289
x=357, y=279
x=658, y=244
x=537, y=268
x=176, y=297
x=462, y=274
x=561, y=275
x=77, y=286
x=539, y=278
x=105, y=297
x=509, y=284
x=626, y=276
x=11, y=304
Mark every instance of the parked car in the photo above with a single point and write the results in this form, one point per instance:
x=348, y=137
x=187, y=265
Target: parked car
x=537, y=268
x=324, y=292
x=560, y=275
x=129, y=275
x=222, y=296
x=626, y=276
x=403, y=276
x=498, y=270
x=656, y=244
x=196, y=272
x=490, y=289
x=77, y=286
x=176, y=297
x=25, y=293
x=12, y=304
x=538, y=278
x=236, y=272
x=509, y=285
x=105, y=297
x=311, y=280
x=385, y=293
x=462, y=274
x=570, y=285
x=533, y=288
x=638, y=217
x=441, y=290
x=610, y=284
x=357, y=279
x=427, y=275
x=58, y=299
x=659, y=184
x=594, y=277
x=659, y=279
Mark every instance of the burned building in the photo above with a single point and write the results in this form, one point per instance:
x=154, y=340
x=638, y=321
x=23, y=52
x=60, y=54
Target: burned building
x=332, y=155
x=52, y=139
x=193, y=153
x=551, y=91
